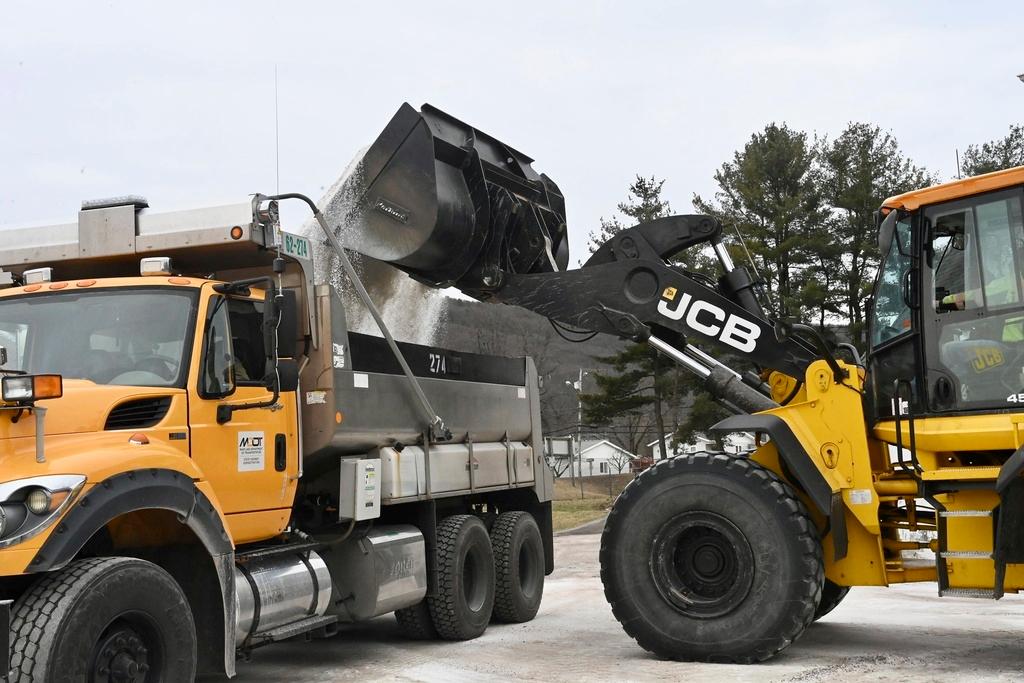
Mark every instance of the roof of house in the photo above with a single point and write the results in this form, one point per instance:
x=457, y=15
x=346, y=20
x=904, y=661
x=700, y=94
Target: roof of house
x=606, y=441
x=668, y=439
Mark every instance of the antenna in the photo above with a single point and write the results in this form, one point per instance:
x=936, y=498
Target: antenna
x=750, y=258
x=743, y=243
x=277, y=139
x=958, y=176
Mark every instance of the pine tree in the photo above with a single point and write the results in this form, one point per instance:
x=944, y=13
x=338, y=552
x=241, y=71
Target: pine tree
x=858, y=171
x=995, y=155
x=644, y=203
x=769, y=193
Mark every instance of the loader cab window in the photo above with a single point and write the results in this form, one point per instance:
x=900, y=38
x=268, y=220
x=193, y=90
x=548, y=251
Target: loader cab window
x=975, y=323
x=894, y=347
x=891, y=313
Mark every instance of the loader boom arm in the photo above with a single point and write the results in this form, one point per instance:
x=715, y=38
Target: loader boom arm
x=628, y=289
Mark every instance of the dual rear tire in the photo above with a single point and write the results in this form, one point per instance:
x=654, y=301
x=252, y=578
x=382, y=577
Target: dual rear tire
x=481, y=576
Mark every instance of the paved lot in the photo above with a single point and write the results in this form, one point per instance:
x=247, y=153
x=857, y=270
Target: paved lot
x=895, y=634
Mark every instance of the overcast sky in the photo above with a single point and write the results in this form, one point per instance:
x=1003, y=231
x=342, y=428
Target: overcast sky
x=176, y=101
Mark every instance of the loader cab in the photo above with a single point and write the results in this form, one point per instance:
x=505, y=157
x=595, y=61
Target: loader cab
x=947, y=322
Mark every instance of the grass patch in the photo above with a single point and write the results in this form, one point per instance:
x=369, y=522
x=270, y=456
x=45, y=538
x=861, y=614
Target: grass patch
x=567, y=514
x=570, y=508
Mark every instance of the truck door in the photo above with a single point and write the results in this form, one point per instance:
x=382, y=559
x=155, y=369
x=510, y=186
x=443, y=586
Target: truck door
x=251, y=460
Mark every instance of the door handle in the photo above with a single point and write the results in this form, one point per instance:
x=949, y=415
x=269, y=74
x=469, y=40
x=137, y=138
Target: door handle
x=280, y=452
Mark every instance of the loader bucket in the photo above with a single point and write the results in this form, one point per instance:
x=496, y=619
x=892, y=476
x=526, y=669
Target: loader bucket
x=451, y=205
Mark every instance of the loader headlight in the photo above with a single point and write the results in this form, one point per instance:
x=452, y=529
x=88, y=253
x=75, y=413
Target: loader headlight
x=29, y=506
x=29, y=388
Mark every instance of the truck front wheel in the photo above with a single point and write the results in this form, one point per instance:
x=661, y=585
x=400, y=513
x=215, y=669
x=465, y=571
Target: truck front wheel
x=462, y=607
x=104, y=619
x=711, y=558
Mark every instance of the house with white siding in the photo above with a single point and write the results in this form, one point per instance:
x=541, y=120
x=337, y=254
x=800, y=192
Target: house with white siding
x=599, y=457
x=740, y=442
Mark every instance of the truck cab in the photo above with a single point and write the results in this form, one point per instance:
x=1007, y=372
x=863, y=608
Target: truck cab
x=187, y=424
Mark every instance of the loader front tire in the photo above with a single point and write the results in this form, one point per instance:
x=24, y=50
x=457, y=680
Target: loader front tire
x=831, y=595
x=104, y=619
x=711, y=558
x=462, y=607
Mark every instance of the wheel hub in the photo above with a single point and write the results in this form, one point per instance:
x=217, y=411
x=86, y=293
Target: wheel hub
x=121, y=656
x=702, y=564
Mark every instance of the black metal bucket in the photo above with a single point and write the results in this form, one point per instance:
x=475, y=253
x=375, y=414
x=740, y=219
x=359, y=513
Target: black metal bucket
x=451, y=205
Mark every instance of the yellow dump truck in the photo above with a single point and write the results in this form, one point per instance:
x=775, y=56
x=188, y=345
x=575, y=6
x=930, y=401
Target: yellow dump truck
x=197, y=457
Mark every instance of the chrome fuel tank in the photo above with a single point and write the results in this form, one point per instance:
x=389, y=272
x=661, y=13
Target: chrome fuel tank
x=279, y=590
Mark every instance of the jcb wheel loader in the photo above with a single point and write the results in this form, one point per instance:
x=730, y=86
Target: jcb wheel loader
x=729, y=558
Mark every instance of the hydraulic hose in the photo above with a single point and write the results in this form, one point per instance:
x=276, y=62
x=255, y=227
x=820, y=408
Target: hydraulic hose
x=433, y=419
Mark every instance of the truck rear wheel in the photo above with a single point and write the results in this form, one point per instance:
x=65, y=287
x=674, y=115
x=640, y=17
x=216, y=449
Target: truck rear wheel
x=519, y=567
x=462, y=607
x=831, y=595
x=415, y=622
x=711, y=558
x=104, y=619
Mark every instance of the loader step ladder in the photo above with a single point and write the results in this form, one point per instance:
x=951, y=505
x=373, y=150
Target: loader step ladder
x=981, y=593
x=967, y=554
x=967, y=524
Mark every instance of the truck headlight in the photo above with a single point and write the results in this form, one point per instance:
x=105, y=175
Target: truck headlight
x=29, y=506
x=29, y=388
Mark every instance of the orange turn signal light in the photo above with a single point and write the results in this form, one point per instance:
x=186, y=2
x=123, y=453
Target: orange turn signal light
x=236, y=232
x=48, y=386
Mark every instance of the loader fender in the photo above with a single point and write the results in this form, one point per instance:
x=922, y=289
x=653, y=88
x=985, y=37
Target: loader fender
x=148, y=489
x=801, y=466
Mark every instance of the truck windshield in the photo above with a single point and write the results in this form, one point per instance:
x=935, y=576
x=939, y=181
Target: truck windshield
x=114, y=336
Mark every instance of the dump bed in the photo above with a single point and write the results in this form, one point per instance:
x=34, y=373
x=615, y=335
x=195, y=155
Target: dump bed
x=356, y=401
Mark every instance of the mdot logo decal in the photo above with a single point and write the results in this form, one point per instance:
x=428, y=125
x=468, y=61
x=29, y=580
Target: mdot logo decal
x=708, y=319
x=251, y=452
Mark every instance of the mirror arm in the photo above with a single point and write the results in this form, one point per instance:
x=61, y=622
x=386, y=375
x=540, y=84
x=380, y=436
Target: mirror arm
x=225, y=410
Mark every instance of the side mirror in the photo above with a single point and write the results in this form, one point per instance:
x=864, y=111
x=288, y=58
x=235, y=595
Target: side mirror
x=886, y=231
x=281, y=321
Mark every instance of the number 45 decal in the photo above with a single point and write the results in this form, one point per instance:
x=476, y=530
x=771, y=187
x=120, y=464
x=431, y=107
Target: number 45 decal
x=1015, y=398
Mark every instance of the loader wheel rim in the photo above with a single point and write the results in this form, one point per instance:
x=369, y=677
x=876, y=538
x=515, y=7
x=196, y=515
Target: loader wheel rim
x=128, y=651
x=702, y=564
